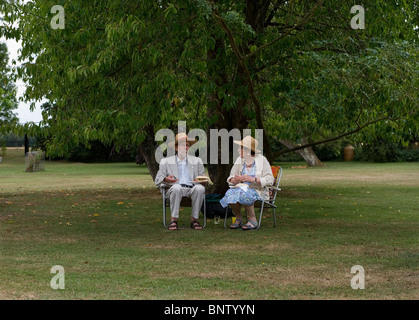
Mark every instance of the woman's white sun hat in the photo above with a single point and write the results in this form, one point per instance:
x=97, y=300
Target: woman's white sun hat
x=249, y=143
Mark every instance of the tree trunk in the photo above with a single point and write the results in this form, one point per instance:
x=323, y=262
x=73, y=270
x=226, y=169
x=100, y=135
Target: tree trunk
x=307, y=153
x=148, y=149
x=227, y=120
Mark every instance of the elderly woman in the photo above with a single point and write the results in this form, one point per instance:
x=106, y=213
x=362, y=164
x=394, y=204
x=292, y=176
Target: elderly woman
x=249, y=175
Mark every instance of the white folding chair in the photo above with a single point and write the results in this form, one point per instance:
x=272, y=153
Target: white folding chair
x=267, y=203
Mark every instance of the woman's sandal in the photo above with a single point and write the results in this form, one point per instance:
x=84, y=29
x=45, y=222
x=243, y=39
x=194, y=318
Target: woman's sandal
x=237, y=224
x=173, y=225
x=253, y=225
x=195, y=225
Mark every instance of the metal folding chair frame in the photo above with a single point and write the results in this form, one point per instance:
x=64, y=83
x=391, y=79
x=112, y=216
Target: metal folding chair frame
x=185, y=202
x=268, y=204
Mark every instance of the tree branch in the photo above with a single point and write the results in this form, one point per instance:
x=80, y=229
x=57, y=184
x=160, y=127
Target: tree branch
x=272, y=13
x=303, y=21
x=359, y=128
x=227, y=30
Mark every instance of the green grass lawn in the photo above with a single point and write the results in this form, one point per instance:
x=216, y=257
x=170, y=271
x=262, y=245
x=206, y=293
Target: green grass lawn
x=103, y=224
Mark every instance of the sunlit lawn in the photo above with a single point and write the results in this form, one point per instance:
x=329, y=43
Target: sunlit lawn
x=103, y=224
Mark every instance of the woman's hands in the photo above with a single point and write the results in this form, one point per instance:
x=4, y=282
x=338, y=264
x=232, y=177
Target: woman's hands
x=242, y=178
x=246, y=178
x=235, y=179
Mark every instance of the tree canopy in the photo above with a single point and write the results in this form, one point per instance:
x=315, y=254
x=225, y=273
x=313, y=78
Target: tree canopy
x=120, y=70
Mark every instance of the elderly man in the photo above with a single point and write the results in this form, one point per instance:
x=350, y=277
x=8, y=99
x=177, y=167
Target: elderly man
x=179, y=171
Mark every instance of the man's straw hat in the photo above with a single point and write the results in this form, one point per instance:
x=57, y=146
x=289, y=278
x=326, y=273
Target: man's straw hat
x=181, y=136
x=249, y=143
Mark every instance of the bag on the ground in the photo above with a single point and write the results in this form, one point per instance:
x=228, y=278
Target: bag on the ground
x=214, y=208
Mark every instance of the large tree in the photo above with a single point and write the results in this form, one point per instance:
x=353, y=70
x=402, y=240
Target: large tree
x=120, y=70
x=8, y=101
